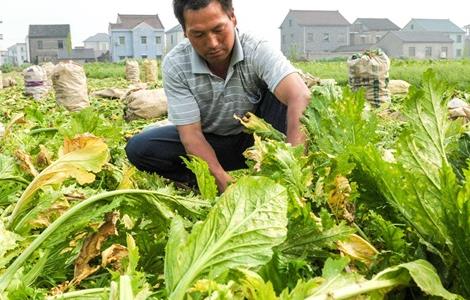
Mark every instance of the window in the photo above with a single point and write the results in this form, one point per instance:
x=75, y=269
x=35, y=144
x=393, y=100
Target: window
x=377, y=38
x=326, y=37
x=60, y=44
x=444, y=52
x=459, y=53
x=158, y=40
x=143, y=40
x=291, y=36
x=459, y=38
x=40, y=46
x=171, y=38
x=310, y=37
x=283, y=38
x=290, y=23
x=143, y=56
x=412, y=52
x=428, y=52
x=412, y=27
x=122, y=57
x=122, y=40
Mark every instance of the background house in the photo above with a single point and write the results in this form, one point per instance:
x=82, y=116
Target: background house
x=417, y=44
x=4, y=59
x=444, y=26
x=45, y=41
x=17, y=54
x=99, y=43
x=173, y=37
x=370, y=30
x=137, y=36
x=79, y=55
x=308, y=33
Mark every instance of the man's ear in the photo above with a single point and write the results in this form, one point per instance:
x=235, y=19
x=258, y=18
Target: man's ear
x=232, y=17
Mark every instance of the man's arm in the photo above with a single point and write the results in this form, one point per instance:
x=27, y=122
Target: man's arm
x=196, y=144
x=293, y=92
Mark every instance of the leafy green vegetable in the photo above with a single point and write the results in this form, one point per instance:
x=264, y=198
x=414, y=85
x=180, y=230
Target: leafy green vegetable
x=338, y=285
x=248, y=220
x=90, y=156
x=205, y=180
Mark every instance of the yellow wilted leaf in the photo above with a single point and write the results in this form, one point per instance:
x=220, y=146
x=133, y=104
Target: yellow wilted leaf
x=357, y=248
x=44, y=157
x=113, y=254
x=83, y=155
x=126, y=182
x=26, y=163
x=338, y=199
x=46, y=217
x=92, y=248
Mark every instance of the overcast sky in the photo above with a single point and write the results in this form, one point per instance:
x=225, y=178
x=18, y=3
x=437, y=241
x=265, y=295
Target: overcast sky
x=88, y=17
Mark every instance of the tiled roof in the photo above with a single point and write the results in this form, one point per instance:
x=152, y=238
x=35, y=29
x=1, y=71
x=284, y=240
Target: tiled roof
x=422, y=36
x=354, y=48
x=377, y=24
x=319, y=18
x=99, y=37
x=49, y=31
x=131, y=21
x=440, y=25
x=176, y=28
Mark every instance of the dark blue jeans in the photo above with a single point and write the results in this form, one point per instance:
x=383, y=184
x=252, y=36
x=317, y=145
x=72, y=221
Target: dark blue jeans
x=158, y=150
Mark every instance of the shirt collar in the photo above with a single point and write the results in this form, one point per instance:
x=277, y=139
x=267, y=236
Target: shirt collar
x=199, y=65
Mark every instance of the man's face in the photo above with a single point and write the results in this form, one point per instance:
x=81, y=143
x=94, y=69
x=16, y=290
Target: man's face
x=211, y=32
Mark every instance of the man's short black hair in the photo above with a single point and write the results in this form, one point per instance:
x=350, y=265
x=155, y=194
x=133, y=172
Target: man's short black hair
x=179, y=6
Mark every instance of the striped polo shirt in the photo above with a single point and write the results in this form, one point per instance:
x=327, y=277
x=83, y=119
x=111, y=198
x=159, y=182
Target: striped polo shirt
x=195, y=94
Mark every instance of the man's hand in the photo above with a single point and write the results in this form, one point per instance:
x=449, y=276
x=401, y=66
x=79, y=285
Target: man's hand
x=293, y=92
x=196, y=144
x=222, y=181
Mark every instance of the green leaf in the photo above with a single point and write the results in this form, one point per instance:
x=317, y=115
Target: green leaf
x=205, y=180
x=333, y=267
x=88, y=156
x=249, y=219
x=346, y=286
x=253, y=124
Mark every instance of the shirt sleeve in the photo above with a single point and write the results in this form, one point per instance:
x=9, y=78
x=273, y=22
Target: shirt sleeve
x=271, y=65
x=182, y=106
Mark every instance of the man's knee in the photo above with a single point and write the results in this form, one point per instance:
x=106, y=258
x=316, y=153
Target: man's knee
x=135, y=150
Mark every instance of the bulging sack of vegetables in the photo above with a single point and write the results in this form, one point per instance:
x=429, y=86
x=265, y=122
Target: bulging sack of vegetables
x=35, y=82
x=369, y=70
x=70, y=86
x=132, y=71
x=149, y=70
x=145, y=104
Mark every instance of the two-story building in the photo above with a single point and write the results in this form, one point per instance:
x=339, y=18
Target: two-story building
x=368, y=31
x=18, y=54
x=173, y=37
x=305, y=33
x=45, y=41
x=444, y=26
x=417, y=45
x=136, y=36
x=4, y=59
x=98, y=42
